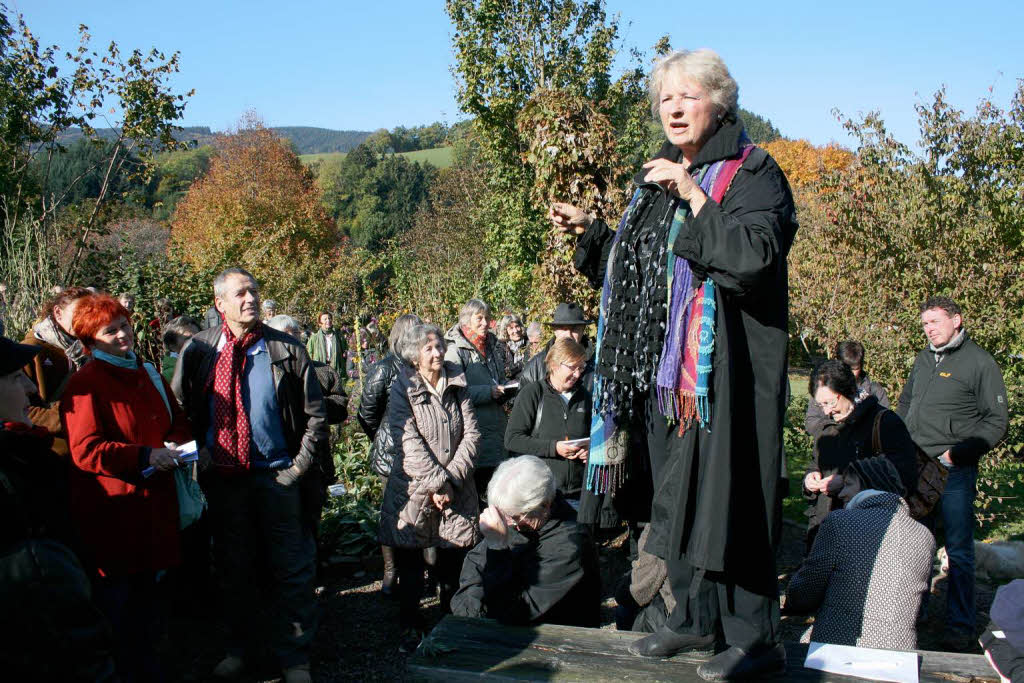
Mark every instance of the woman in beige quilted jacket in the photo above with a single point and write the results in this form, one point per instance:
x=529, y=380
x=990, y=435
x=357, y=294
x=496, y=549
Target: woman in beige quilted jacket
x=430, y=499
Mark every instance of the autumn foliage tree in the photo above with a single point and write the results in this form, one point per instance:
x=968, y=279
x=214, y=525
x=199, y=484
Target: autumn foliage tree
x=881, y=234
x=257, y=208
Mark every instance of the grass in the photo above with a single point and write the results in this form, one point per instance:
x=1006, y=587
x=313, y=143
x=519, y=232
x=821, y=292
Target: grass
x=440, y=157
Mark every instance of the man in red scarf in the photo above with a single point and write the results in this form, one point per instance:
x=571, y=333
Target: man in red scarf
x=257, y=409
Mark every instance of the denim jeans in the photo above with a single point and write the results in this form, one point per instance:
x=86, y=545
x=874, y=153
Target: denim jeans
x=958, y=523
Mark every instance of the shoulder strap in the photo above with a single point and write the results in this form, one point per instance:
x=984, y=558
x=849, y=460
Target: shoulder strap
x=876, y=439
x=540, y=412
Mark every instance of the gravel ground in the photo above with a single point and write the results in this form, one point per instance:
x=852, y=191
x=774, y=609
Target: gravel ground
x=358, y=634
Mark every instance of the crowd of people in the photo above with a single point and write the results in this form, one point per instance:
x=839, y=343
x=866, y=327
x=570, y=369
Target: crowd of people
x=503, y=448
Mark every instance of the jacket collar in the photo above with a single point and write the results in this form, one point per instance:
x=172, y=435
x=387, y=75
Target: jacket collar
x=280, y=346
x=453, y=375
x=724, y=144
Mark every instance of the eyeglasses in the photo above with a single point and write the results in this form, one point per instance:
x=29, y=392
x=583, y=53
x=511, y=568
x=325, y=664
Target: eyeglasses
x=827, y=406
x=574, y=369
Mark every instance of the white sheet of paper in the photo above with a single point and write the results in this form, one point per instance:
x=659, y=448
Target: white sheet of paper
x=863, y=662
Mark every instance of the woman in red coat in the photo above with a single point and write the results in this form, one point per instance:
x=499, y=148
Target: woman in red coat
x=119, y=413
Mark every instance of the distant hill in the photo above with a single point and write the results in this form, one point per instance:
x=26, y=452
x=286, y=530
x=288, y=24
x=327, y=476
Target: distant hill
x=307, y=140
x=438, y=157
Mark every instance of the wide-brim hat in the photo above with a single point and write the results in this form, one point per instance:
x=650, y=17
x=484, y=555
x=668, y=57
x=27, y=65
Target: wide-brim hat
x=14, y=356
x=568, y=314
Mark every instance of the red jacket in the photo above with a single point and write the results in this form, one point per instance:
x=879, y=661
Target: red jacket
x=127, y=524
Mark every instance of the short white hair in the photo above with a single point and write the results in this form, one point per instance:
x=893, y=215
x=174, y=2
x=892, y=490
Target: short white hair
x=521, y=486
x=703, y=66
x=472, y=307
x=286, y=324
x=534, y=331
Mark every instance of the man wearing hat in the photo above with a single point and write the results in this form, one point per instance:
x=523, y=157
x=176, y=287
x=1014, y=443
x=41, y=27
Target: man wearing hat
x=568, y=321
x=54, y=632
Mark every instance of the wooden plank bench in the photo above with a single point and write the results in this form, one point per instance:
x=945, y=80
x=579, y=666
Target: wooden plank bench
x=461, y=649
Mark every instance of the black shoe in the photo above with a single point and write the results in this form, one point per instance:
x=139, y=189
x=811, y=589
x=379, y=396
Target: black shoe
x=410, y=640
x=736, y=663
x=665, y=643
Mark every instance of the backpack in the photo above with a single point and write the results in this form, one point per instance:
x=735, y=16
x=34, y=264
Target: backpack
x=931, y=476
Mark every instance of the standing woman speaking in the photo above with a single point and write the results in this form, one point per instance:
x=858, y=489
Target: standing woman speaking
x=692, y=354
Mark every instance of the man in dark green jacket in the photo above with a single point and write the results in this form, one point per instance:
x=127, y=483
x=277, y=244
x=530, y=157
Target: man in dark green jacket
x=954, y=404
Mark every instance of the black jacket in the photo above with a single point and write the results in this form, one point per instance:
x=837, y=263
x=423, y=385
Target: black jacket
x=525, y=435
x=546, y=577
x=373, y=411
x=333, y=389
x=956, y=404
x=717, y=498
x=840, y=443
x=298, y=394
x=816, y=420
x=51, y=630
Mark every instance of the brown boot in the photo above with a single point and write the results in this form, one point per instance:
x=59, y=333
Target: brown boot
x=387, y=585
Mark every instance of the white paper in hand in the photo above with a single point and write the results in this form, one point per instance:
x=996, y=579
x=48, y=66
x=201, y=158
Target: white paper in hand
x=863, y=662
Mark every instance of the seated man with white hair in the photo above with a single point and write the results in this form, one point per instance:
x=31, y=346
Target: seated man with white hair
x=535, y=565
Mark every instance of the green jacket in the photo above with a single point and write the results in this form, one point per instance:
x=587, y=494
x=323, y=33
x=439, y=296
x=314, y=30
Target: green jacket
x=482, y=374
x=956, y=403
x=317, y=349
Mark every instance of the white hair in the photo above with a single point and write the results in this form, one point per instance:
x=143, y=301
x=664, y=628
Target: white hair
x=286, y=324
x=472, y=307
x=703, y=66
x=415, y=338
x=521, y=486
x=534, y=331
x=398, y=330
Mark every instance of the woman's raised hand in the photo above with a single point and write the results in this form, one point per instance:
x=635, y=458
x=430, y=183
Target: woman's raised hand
x=569, y=219
x=676, y=178
x=492, y=524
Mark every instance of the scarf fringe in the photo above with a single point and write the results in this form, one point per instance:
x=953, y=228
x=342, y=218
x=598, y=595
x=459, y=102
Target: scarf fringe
x=605, y=478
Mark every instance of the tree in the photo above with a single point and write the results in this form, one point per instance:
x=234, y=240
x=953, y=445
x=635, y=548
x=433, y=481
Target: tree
x=881, y=234
x=258, y=208
x=373, y=195
x=41, y=244
x=506, y=51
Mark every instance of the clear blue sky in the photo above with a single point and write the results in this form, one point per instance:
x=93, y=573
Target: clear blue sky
x=370, y=64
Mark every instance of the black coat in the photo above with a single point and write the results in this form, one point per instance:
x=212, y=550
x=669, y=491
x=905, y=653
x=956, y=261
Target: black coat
x=957, y=404
x=525, y=435
x=718, y=497
x=333, y=389
x=550, y=576
x=843, y=442
x=373, y=411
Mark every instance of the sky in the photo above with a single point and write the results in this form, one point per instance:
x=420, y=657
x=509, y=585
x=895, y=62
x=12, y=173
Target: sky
x=369, y=64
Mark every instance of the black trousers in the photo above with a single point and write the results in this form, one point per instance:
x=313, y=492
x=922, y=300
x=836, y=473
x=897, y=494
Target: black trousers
x=707, y=603
x=410, y=565
x=264, y=557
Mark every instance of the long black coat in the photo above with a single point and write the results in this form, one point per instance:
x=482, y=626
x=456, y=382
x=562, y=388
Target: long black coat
x=718, y=499
x=550, y=576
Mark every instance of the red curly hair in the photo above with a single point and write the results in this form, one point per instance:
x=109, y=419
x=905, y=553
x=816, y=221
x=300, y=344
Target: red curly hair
x=93, y=313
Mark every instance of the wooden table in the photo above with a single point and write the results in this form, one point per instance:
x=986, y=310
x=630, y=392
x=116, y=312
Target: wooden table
x=461, y=649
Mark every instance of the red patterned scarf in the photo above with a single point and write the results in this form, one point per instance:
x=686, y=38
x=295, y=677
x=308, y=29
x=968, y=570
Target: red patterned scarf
x=230, y=423
x=479, y=341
